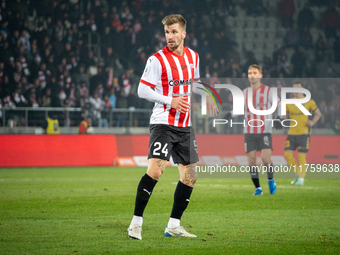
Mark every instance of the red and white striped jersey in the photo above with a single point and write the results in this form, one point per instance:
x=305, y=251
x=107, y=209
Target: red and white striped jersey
x=262, y=100
x=171, y=75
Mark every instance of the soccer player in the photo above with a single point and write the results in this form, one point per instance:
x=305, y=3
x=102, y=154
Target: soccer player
x=299, y=135
x=168, y=81
x=258, y=128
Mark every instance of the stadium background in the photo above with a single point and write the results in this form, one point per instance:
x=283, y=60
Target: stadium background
x=75, y=58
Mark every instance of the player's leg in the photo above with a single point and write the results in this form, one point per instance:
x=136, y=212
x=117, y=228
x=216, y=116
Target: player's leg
x=254, y=174
x=181, y=200
x=147, y=183
x=159, y=152
x=289, y=148
x=144, y=190
x=302, y=168
x=185, y=155
x=303, y=142
x=250, y=145
x=266, y=147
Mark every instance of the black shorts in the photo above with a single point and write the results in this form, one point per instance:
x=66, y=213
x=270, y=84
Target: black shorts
x=301, y=142
x=257, y=142
x=180, y=142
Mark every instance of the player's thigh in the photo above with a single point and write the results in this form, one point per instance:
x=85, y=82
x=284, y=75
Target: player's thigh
x=160, y=143
x=250, y=143
x=290, y=143
x=185, y=151
x=264, y=141
x=303, y=143
x=187, y=174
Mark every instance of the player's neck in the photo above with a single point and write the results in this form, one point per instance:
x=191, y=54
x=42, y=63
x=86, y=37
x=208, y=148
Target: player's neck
x=255, y=86
x=299, y=95
x=178, y=51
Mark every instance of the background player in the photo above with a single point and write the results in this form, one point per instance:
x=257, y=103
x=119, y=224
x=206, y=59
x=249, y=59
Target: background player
x=170, y=72
x=299, y=136
x=257, y=131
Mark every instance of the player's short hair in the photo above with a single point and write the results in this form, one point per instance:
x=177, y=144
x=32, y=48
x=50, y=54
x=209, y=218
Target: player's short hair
x=173, y=19
x=256, y=66
x=299, y=82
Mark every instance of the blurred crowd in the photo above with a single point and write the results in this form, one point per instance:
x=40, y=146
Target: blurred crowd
x=91, y=53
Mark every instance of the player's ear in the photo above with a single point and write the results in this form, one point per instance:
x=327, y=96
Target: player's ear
x=184, y=33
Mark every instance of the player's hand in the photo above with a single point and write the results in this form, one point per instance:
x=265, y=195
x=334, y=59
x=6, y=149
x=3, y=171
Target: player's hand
x=228, y=116
x=212, y=108
x=180, y=104
x=310, y=123
x=278, y=124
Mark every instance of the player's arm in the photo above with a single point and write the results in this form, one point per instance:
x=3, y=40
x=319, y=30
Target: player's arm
x=178, y=103
x=148, y=81
x=317, y=116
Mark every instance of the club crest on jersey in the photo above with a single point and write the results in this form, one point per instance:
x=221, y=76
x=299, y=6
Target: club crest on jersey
x=180, y=82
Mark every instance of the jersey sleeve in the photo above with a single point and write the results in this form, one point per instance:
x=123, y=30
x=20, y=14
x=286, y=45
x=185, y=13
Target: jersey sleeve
x=197, y=69
x=313, y=105
x=148, y=93
x=152, y=72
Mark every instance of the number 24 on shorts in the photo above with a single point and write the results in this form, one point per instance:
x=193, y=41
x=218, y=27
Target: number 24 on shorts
x=158, y=147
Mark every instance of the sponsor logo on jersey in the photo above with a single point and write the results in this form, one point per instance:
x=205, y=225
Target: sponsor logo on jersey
x=180, y=82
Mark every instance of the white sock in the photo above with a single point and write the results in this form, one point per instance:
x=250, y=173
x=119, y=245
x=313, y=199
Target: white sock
x=300, y=179
x=137, y=220
x=173, y=223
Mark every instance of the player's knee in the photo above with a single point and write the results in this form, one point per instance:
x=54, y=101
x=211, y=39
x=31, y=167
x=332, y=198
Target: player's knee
x=189, y=181
x=266, y=161
x=288, y=154
x=302, y=158
x=154, y=173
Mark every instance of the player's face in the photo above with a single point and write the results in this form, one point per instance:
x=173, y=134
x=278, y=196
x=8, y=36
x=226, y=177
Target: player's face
x=298, y=95
x=254, y=75
x=174, y=36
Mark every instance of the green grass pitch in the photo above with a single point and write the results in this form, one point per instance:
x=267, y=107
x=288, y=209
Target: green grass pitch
x=86, y=210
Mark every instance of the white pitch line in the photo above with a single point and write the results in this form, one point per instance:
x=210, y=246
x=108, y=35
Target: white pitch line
x=248, y=186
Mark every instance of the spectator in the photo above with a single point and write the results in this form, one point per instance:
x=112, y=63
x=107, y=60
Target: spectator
x=336, y=50
x=306, y=38
x=305, y=17
x=292, y=37
x=321, y=49
x=46, y=98
x=286, y=10
x=330, y=21
x=85, y=127
x=299, y=61
x=96, y=107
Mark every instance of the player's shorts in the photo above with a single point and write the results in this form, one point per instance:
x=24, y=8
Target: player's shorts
x=180, y=142
x=301, y=142
x=257, y=142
